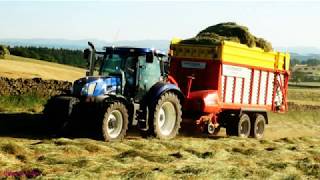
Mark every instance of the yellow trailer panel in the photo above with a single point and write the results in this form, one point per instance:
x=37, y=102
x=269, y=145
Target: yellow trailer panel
x=232, y=52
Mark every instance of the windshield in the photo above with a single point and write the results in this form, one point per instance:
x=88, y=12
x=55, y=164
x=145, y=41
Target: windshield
x=117, y=62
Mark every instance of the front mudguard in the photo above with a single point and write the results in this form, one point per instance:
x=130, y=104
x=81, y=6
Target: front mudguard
x=160, y=88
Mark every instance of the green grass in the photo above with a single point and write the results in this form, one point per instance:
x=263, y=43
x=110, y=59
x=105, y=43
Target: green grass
x=290, y=150
x=191, y=158
x=309, y=96
x=22, y=103
x=291, y=156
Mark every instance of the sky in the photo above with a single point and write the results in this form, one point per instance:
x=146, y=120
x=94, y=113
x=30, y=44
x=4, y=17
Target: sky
x=284, y=23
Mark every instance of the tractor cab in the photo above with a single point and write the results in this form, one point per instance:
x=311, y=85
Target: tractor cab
x=138, y=68
x=126, y=71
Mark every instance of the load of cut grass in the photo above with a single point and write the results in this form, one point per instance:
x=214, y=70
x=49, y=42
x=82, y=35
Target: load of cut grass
x=229, y=31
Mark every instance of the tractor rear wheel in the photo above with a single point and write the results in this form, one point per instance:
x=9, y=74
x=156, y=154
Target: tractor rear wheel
x=166, y=116
x=115, y=122
x=258, y=126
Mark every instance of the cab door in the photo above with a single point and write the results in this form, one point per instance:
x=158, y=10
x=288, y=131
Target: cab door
x=149, y=73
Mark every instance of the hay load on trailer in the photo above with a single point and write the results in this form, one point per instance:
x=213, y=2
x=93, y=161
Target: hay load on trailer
x=229, y=31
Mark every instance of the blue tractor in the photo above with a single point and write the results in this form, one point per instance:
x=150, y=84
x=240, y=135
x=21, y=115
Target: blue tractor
x=130, y=89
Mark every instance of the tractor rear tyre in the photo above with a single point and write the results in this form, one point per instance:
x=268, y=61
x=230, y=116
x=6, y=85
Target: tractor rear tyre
x=241, y=127
x=115, y=122
x=257, y=126
x=166, y=115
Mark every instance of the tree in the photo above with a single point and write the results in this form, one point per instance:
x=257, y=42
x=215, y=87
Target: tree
x=3, y=51
x=293, y=62
x=298, y=76
x=63, y=56
x=312, y=62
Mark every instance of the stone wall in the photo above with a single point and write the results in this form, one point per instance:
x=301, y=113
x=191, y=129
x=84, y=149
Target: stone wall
x=35, y=86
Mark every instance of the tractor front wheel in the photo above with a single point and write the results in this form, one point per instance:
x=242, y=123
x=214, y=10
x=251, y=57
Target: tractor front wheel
x=115, y=122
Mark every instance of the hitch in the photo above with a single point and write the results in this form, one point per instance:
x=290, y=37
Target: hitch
x=209, y=123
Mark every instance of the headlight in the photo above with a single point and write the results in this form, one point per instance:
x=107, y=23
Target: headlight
x=211, y=100
x=88, y=89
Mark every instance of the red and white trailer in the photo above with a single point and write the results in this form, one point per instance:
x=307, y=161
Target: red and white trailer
x=230, y=85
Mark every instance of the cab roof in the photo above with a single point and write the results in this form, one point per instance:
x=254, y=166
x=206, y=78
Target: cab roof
x=134, y=50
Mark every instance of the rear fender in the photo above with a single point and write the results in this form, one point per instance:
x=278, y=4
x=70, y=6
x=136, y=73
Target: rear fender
x=112, y=98
x=160, y=88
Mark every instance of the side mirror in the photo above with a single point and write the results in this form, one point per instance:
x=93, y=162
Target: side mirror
x=86, y=54
x=87, y=73
x=149, y=57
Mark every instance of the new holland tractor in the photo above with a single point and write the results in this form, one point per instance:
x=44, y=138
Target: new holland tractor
x=130, y=90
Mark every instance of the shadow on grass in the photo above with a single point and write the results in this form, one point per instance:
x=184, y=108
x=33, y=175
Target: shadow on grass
x=23, y=125
x=35, y=126
x=190, y=129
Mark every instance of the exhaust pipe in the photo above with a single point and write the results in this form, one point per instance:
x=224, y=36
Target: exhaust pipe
x=91, y=59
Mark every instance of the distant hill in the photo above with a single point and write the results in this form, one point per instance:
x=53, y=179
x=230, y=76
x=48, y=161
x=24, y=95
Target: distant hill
x=303, y=50
x=305, y=57
x=81, y=44
x=300, y=52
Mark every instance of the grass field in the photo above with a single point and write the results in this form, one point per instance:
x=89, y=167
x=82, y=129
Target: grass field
x=309, y=96
x=24, y=103
x=290, y=149
x=19, y=67
x=183, y=157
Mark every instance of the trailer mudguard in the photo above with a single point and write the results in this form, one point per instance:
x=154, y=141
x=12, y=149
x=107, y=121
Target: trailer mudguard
x=262, y=111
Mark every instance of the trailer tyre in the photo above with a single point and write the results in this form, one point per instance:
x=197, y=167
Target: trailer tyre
x=166, y=116
x=115, y=122
x=258, y=126
x=210, y=129
x=244, y=126
x=240, y=127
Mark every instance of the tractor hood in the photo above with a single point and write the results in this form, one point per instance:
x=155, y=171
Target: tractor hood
x=97, y=86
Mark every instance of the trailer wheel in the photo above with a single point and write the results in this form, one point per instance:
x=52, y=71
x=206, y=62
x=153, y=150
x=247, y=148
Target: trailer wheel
x=210, y=129
x=240, y=127
x=115, y=122
x=244, y=126
x=258, y=126
x=166, y=116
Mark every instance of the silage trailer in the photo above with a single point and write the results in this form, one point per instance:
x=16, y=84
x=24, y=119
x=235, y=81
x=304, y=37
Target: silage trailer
x=230, y=85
